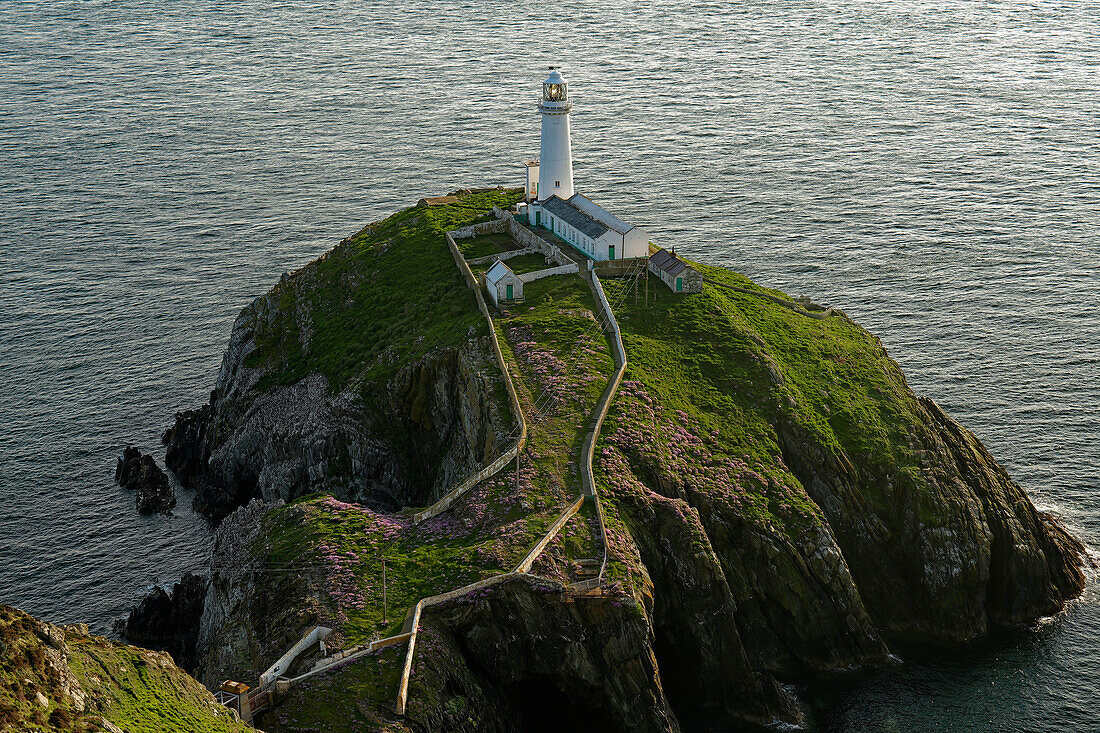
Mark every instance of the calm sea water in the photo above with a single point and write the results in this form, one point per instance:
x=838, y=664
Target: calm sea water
x=933, y=168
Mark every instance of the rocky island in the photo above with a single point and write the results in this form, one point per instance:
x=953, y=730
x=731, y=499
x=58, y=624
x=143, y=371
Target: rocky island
x=753, y=497
x=777, y=501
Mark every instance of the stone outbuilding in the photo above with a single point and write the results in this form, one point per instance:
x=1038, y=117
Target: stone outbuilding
x=676, y=274
x=503, y=285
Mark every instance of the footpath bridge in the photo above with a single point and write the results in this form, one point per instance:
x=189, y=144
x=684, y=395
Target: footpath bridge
x=273, y=681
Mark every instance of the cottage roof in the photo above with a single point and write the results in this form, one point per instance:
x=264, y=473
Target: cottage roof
x=576, y=218
x=668, y=262
x=498, y=271
x=597, y=212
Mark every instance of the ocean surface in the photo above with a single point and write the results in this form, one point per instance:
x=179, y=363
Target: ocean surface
x=932, y=168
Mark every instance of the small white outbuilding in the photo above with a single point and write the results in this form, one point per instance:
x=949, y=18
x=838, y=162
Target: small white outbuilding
x=503, y=285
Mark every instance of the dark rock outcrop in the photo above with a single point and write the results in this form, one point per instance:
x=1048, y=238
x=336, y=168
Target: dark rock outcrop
x=139, y=472
x=169, y=621
x=428, y=426
x=497, y=666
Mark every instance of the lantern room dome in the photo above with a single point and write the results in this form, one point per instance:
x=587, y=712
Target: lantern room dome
x=555, y=92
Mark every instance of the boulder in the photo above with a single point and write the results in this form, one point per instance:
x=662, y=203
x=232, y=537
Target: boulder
x=139, y=472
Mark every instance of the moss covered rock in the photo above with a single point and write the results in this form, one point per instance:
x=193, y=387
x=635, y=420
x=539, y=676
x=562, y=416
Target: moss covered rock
x=64, y=679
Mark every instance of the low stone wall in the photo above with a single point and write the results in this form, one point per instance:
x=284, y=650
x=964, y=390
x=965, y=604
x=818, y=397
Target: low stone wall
x=447, y=499
x=313, y=636
x=497, y=226
x=607, y=319
x=503, y=256
x=529, y=560
x=528, y=277
x=412, y=622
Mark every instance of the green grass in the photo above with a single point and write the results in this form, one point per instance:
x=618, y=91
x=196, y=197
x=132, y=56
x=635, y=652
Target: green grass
x=484, y=245
x=528, y=263
x=137, y=690
x=727, y=368
x=144, y=696
x=382, y=298
x=489, y=529
x=350, y=699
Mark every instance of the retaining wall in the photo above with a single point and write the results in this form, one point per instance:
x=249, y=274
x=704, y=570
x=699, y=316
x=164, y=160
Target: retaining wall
x=526, y=238
x=497, y=226
x=502, y=256
x=617, y=268
x=607, y=319
x=313, y=636
x=528, y=277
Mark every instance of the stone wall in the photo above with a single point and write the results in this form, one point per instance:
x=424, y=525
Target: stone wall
x=525, y=238
x=618, y=268
x=540, y=274
x=497, y=226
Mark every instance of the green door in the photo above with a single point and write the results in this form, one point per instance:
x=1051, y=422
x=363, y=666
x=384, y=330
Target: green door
x=679, y=286
x=610, y=251
x=509, y=295
x=536, y=218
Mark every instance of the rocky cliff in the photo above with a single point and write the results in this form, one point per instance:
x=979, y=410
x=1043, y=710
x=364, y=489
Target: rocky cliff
x=60, y=678
x=366, y=375
x=779, y=503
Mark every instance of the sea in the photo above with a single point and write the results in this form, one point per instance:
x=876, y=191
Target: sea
x=932, y=168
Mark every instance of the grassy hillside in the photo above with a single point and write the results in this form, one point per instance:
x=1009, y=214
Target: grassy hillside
x=383, y=297
x=65, y=680
x=560, y=361
x=718, y=370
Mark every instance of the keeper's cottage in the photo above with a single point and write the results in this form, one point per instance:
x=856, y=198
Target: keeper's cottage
x=553, y=204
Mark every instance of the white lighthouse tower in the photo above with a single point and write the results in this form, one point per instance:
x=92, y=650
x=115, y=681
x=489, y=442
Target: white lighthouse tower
x=556, y=157
x=572, y=219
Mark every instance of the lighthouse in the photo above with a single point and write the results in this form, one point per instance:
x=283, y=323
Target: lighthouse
x=556, y=157
x=569, y=218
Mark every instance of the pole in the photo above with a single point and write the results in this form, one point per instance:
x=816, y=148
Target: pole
x=385, y=609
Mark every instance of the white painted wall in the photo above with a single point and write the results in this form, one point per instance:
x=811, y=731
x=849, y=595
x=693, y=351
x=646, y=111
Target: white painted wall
x=498, y=291
x=555, y=152
x=635, y=244
x=531, y=186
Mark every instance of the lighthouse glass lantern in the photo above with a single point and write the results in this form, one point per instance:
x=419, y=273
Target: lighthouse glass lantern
x=554, y=92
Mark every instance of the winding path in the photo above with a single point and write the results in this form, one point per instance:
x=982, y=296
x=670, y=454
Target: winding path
x=610, y=326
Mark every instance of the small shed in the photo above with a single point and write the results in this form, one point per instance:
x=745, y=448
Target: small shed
x=503, y=285
x=234, y=695
x=675, y=273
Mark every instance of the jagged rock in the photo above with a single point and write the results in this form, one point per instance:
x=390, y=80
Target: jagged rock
x=169, y=621
x=250, y=617
x=139, y=472
x=434, y=422
x=521, y=658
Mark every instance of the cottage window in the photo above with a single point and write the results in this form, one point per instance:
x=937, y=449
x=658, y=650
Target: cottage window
x=557, y=184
